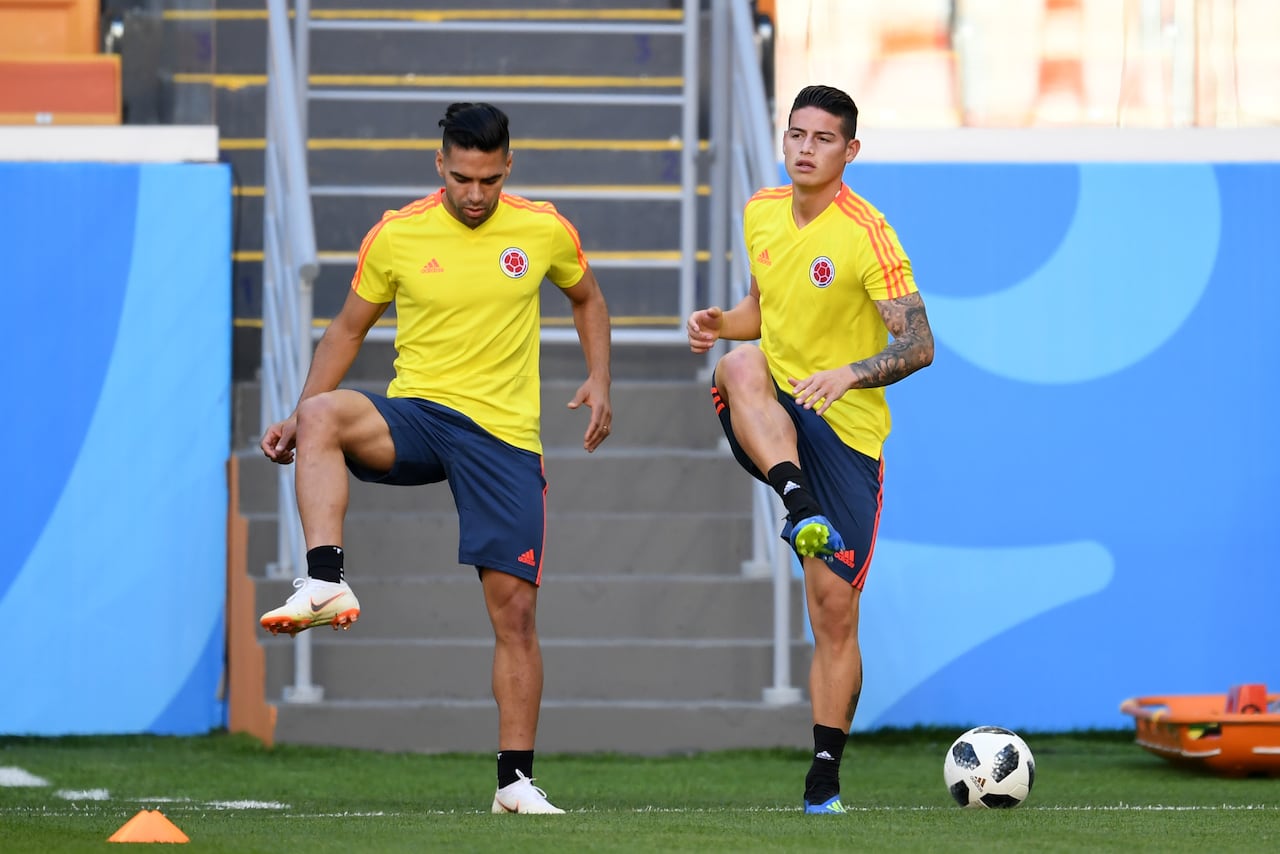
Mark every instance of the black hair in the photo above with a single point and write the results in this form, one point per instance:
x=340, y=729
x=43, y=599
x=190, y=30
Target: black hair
x=833, y=101
x=482, y=127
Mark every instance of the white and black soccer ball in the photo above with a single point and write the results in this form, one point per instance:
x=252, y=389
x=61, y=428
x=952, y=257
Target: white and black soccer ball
x=989, y=767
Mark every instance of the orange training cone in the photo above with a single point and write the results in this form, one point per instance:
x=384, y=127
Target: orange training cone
x=148, y=826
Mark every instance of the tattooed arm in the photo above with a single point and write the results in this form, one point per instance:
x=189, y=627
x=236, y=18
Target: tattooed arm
x=910, y=348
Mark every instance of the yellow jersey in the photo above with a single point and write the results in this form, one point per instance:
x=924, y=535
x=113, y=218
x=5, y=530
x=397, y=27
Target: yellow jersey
x=818, y=287
x=467, y=305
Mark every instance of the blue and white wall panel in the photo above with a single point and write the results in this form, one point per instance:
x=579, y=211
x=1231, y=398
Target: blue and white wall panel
x=117, y=380
x=1082, y=492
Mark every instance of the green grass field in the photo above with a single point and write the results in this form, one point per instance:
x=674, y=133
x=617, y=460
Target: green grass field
x=1094, y=792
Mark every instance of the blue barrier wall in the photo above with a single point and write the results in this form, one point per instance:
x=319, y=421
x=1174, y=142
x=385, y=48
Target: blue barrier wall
x=117, y=376
x=1081, y=492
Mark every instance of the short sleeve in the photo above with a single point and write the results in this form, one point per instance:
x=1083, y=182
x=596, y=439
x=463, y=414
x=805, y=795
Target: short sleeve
x=886, y=269
x=374, y=279
x=567, y=264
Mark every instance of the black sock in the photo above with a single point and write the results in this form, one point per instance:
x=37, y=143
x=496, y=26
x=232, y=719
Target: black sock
x=324, y=563
x=823, y=779
x=511, y=761
x=789, y=483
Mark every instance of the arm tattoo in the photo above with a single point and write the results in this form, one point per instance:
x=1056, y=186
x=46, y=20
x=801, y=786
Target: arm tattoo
x=910, y=349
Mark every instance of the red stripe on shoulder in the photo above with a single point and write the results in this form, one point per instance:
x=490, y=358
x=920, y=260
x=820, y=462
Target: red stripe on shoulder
x=412, y=209
x=521, y=203
x=857, y=209
x=767, y=193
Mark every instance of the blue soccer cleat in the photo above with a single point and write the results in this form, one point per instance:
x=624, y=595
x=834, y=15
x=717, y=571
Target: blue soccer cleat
x=831, y=806
x=814, y=536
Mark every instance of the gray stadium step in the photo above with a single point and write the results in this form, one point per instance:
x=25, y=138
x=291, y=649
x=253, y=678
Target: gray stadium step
x=637, y=295
x=445, y=603
x=646, y=413
x=634, y=727
x=634, y=481
x=388, y=161
x=560, y=360
x=734, y=669
x=654, y=640
x=240, y=46
x=613, y=224
x=616, y=545
x=241, y=114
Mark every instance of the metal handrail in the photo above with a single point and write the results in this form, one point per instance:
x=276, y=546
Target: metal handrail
x=289, y=268
x=686, y=28
x=743, y=162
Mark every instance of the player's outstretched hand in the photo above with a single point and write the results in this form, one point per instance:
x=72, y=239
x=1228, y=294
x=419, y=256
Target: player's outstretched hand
x=704, y=328
x=595, y=394
x=823, y=388
x=279, y=440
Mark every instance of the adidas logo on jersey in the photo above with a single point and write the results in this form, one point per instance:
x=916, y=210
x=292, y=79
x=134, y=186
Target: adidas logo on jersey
x=432, y=266
x=763, y=258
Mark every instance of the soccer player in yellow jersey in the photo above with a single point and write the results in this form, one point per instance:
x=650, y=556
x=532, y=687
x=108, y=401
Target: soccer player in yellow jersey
x=464, y=268
x=836, y=309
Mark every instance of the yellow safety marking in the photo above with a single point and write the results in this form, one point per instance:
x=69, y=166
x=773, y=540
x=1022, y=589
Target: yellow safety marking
x=236, y=82
x=674, y=144
x=435, y=14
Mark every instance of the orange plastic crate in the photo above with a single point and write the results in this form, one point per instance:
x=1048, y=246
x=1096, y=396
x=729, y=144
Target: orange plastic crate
x=1204, y=731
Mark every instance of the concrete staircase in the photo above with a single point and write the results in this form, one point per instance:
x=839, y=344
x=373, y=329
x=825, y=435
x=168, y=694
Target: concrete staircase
x=653, y=639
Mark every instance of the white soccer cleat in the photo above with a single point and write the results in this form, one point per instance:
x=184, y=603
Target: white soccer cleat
x=523, y=797
x=314, y=603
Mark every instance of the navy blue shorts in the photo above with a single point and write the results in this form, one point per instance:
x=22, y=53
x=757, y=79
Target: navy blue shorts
x=847, y=483
x=500, y=490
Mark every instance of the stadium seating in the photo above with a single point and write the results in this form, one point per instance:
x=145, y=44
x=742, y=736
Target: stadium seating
x=51, y=69
x=992, y=63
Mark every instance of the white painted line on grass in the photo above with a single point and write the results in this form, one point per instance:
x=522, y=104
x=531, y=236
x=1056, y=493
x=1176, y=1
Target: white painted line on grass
x=195, y=807
x=83, y=794
x=13, y=776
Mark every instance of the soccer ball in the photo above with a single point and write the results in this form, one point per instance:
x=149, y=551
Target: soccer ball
x=990, y=767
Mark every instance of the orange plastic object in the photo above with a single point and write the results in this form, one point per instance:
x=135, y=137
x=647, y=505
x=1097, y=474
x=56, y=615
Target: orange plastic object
x=63, y=90
x=1198, y=731
x=49, y=26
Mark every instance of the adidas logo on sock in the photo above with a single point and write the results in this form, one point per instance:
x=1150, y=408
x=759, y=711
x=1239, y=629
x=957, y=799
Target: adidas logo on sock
x=791, y=484
x=825, y=755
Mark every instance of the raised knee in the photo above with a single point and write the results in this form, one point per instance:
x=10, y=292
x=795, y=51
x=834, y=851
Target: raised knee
x=743, y=370
x=317, y=416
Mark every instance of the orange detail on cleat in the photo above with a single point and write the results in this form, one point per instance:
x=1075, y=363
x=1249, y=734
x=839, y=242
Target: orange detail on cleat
x=277, y=625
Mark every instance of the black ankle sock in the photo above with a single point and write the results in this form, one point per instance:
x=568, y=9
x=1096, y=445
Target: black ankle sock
x=823, y=779
x=511, y=761
x=787, y=480
x=324, y=563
